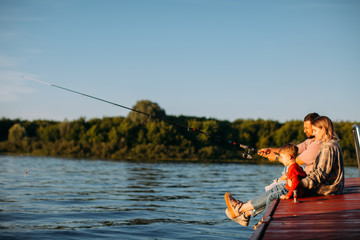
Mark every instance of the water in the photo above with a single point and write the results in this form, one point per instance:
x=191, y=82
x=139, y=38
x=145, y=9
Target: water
x=87, y=199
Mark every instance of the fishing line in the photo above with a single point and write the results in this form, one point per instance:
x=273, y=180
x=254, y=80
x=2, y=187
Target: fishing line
x=246, y=154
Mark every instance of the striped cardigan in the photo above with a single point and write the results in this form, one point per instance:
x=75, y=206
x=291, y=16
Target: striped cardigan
x=327, y=175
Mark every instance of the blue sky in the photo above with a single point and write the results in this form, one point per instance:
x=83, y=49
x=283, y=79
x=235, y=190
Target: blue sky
x=224, y=59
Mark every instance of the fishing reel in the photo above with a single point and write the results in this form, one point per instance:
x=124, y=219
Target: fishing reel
x=248, y=151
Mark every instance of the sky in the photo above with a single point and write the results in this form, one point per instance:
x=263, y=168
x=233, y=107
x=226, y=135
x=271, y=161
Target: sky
x=223, y=59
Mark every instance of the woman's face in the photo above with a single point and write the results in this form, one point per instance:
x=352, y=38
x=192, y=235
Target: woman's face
x=319, y=133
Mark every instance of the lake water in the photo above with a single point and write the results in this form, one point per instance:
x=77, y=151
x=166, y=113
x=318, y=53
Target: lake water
x=88, y=199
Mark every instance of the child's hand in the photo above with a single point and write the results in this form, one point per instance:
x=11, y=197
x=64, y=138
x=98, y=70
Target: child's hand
x=283, y=177
x=284, y=197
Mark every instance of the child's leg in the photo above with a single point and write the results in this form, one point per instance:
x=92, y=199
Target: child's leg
x=258, y=211
x=258, y=203
x=276, y=194
x=246, y=207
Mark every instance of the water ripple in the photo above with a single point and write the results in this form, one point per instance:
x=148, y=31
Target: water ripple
x=87, y=199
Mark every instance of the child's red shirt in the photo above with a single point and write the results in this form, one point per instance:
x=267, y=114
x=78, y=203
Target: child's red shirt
x=295, y=173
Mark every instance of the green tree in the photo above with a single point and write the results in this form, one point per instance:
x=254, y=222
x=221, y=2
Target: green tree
x=64, y=128
x=92, y=135
x=147, y=107
x=5, y=125
x=16, y=133
x=123, y=138
x=344, y=131
x=113, y=135
x=48, y=133
x=158, y=132
x=290, y=132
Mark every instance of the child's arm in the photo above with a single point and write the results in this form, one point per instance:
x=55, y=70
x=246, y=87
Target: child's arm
x=294, y=183
x=283, y=177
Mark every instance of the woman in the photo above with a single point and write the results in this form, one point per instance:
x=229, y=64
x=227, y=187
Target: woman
x=327, y=176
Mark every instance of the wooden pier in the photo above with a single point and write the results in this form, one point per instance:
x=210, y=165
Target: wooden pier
x=322, y=217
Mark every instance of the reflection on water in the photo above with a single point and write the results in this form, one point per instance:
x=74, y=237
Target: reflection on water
x=72, y=199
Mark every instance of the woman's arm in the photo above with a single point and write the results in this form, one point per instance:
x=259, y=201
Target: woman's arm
x=323, y=166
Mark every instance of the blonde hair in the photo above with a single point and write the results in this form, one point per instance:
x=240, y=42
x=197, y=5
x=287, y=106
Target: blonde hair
x=325, y=123
x=290, y=149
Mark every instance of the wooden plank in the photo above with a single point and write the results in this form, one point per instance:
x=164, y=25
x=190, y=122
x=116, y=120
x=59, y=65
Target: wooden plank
x=330, y=217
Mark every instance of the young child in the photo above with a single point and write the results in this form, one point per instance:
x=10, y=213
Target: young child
x=295, y=173
x=240, y=213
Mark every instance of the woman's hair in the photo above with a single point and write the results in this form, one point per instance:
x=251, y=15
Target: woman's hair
x=325, y=123
x=311, y=116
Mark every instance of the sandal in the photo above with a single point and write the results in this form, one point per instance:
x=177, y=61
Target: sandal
x=242, y=219
x=233, y=205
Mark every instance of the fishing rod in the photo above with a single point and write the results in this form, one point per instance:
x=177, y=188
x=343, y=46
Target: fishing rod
x=246, y=154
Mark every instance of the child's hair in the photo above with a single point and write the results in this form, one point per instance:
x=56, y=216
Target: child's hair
x=290, y=149
x=325, y=123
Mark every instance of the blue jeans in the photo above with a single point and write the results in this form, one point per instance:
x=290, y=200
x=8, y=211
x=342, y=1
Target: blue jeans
x=262, y=202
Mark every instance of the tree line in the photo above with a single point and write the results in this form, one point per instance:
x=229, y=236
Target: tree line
x=138, y=138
